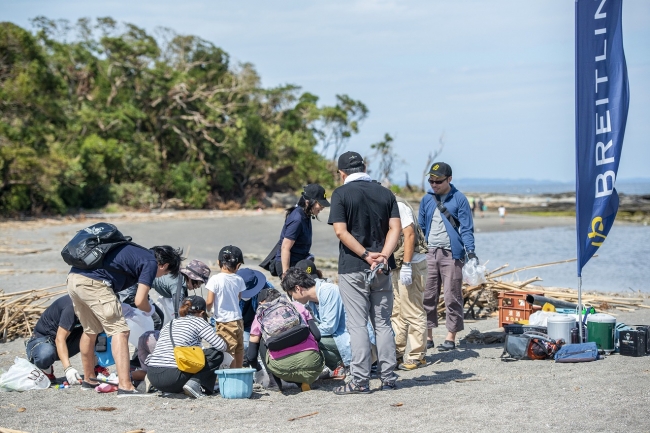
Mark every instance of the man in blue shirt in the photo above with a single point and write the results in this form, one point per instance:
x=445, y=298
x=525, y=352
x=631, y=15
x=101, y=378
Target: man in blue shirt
x=446, y=220
x=93, y=293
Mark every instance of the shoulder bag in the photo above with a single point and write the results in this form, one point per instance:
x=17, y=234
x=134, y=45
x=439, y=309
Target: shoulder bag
x=189, y=359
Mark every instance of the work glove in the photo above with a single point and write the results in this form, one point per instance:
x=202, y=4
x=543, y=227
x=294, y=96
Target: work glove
x=227, y=360
x=406, y=275
x=72, y=375
x=153, y=310
x=471, y=256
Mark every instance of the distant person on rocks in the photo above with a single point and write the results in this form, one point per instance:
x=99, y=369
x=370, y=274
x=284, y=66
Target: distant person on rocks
x=409, y=277
x=56, y=338
x=472, y=203
x=366, y=220
x=93, y=293
x=446, y=220
x=502, y=214
x=296, y=234
x=481, y=207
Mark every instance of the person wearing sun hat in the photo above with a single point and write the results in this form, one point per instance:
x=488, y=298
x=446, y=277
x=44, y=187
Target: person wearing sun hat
x=296, y=235
x=255, y=281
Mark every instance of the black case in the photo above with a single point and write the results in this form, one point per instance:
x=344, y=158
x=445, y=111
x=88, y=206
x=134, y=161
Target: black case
x=633, y=342
x=647, y=340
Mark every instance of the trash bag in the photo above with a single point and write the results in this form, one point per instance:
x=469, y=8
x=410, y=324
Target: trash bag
x=23, y=376
x=138, y=323
x=166, y=305
x=473, y=273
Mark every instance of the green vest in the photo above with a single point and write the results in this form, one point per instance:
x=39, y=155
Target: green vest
x=420, y=243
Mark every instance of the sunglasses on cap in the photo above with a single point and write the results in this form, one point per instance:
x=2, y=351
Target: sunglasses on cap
x=438, y=182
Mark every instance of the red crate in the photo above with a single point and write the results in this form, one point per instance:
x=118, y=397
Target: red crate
x=513, y=307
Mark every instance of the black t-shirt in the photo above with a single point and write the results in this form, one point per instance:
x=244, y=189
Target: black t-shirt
x=123, y=267
x=59, y=314
x=297, y=227
x=366, y=208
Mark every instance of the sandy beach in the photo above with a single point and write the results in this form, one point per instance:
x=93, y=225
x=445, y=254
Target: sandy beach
x=468, y=389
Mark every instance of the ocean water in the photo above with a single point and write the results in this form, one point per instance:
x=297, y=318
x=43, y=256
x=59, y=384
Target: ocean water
x=539, y=187
x=622, y=264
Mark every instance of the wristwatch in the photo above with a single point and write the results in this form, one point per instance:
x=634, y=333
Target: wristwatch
x=365, y=254
x=407, y=264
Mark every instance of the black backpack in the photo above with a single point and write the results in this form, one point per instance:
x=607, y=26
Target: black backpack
x=89, y=246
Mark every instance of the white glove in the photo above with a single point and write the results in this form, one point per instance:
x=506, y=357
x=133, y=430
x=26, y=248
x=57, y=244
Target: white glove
x=406, y=275
x=153, y=310
x=72, y=375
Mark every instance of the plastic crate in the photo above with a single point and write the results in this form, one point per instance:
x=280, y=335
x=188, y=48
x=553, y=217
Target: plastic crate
x=513, y=307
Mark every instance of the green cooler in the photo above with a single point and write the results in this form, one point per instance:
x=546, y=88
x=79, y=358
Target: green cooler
x=600, y=330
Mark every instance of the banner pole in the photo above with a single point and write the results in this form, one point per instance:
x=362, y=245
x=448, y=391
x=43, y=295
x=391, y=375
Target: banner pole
x=580, y=309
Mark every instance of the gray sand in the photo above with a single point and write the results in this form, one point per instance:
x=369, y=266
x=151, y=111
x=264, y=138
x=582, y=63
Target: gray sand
x=469, y=389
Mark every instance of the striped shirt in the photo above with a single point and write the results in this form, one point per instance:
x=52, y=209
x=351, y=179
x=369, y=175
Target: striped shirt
x=188, y=331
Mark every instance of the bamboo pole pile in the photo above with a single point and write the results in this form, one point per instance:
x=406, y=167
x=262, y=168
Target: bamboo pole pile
x=19, y=311
x=482, y=299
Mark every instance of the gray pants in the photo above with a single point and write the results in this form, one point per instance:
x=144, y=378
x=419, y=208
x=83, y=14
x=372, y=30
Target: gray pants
x=374, y=301
x=447, y=272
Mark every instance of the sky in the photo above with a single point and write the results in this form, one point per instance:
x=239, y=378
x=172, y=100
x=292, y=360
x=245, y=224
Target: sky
x=495, y=77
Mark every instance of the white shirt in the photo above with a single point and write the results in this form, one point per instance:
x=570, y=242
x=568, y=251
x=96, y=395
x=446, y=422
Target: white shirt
x=406, y=217
x=226, y=289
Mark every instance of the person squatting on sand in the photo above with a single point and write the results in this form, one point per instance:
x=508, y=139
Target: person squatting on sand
x=93, y=294
x=186, y=331
x=446, y=220
x=366, y=220
x=290, y=356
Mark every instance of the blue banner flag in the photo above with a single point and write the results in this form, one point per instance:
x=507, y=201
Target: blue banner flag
x=602, y=100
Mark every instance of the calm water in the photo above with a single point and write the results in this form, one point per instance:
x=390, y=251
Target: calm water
x=522, y=187
x=622, y=262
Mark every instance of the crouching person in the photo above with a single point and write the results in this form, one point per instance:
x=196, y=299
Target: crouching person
x=56, y=338
x=286, y=337
x=163, y=371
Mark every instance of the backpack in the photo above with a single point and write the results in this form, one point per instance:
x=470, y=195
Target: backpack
x=89, y=246
x=282, y=325
x=530, y=345
x=581, y=352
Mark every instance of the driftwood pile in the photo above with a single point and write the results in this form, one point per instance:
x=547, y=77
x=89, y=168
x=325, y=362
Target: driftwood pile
x=19, y=311
x=481, y=300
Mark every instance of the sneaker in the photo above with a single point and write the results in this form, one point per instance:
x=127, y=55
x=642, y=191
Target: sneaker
x=352, y=388
x=412, y=364
x=49, y=372
x=341, y=372
x=400, y=360
x=131, y=393
x=87, y=386
x=430, y=344
x=102, y=370
x=389, y=385
x=148, y=387
x=447, y=345
x=192, y=389
x=326, y=374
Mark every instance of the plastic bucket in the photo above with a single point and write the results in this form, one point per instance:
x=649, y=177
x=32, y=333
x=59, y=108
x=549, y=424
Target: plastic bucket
x=600, y=330
x=105, y=359
x=236, y=382
x=559, y=326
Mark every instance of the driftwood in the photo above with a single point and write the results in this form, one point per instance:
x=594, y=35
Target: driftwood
x=21, y=310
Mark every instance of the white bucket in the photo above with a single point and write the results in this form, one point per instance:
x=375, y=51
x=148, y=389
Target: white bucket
x=559, y=326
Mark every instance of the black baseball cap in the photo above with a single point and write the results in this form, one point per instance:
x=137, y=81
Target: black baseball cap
x=440, y=169
x=314, y=191
x=198, y=303
x=308, y=266
x=350, y=160
x=236, y=256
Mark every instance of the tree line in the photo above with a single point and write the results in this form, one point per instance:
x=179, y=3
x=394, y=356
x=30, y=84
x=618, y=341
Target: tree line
x=100, y=112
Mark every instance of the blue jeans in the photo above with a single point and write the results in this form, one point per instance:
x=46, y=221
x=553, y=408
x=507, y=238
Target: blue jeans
x=41, y=351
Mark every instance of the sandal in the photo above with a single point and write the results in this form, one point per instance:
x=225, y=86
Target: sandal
x=352, y=388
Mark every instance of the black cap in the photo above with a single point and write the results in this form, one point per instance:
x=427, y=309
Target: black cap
x=314, y=191
x=308, y=266
x=350, y=160
x=440, y=169
x=236, y=256
x=264, y=293
x=198, y=303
